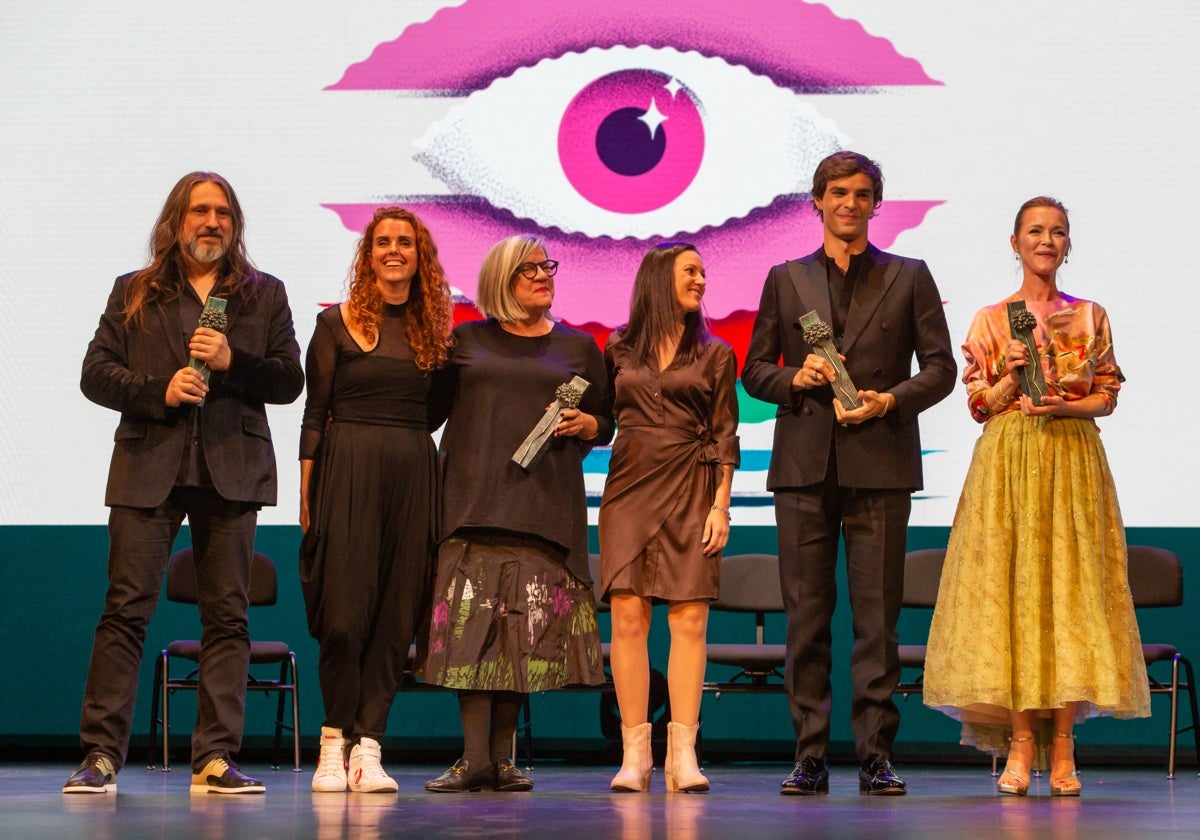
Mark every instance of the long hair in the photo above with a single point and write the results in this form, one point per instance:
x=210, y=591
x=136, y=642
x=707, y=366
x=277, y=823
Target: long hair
x=652, y=313
x=160, y=279
x=843, y=165
x=430, y=315
x=494, y=295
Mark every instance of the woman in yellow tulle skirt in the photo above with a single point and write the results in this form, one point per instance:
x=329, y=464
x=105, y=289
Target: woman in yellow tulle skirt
x=1034, y=627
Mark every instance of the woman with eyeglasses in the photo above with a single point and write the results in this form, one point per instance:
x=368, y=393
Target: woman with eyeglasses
x=512, y=609
x=664, y=518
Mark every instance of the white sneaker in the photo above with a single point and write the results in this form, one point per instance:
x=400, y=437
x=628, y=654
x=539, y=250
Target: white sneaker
x=331, y=764
x=366, y=773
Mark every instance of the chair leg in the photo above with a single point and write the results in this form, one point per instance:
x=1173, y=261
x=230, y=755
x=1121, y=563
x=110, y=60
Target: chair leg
x=295, y=714
x=283, y=668
x=1174, y=716
x=528, y=728
x=158, y=678
x=166, y=712
x=1190, y=688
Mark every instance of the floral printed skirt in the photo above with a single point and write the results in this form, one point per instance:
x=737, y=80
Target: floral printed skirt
x=1034, y=609
x=508, y=616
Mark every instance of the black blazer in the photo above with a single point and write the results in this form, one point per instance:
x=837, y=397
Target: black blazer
x=895, y=315
x=128, y=370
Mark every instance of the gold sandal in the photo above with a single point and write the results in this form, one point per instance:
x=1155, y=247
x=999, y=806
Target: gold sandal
x=1068, y=785
x=1009, y=782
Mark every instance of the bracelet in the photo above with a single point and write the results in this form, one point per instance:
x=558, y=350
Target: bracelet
x=723, y=510
x=886, y=406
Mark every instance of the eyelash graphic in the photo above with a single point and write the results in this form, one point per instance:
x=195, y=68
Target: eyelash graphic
x=801, y=46
x=530, y=148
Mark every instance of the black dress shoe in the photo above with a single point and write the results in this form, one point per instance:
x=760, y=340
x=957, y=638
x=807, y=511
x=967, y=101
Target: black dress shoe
x=459, y=778
x=809, y=777
x=877, y=777
x=509, y=779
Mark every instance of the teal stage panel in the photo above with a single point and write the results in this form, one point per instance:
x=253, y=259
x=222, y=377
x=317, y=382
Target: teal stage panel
x=53, y=589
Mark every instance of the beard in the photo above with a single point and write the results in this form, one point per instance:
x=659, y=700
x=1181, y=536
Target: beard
x=205, y=254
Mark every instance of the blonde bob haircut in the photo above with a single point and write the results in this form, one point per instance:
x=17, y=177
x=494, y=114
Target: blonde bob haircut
x=494, y=295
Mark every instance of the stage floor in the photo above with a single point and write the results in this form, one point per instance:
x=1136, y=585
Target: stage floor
x=571, y=802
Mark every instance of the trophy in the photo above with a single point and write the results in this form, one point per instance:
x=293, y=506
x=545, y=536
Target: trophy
x=566, y=396
x=818, y=334
x=212, y=316
x=1022, y=323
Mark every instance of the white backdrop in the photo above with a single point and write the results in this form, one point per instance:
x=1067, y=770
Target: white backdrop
x=104, y=106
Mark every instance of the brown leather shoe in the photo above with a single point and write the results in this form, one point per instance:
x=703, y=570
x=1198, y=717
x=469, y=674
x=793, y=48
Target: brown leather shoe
x=459, y=778
x=809, y=777
x=877, y=777
x=509, y=779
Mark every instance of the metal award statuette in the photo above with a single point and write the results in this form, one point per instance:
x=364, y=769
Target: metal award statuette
x=818, y=334
x=1022, y=323
x=566, y=396
x=212, y=316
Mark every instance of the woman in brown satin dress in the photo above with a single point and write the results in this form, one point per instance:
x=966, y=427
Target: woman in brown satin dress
x=664, y=518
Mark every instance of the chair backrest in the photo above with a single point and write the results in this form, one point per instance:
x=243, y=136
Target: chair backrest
x=1155, y=577
x=750, y=583
x=181, y=579
x=922, y=574
x=594, y=571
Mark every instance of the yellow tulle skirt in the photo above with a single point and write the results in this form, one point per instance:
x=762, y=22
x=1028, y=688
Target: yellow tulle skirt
x=1034, y=609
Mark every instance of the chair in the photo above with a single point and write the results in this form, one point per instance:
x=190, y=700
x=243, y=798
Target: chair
x=181, y=587
x=749, y=584
x=1156, y=580
x=922, y=574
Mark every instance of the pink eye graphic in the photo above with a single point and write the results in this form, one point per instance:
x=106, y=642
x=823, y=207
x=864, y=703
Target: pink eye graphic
x=628, y=142
x=631, y=141
x=606, y=128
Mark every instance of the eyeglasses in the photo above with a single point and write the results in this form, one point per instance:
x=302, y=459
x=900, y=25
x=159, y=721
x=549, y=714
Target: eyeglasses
x=529, y=270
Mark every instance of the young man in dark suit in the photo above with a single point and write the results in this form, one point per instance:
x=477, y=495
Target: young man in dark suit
x=850, y=470
x=192, y=442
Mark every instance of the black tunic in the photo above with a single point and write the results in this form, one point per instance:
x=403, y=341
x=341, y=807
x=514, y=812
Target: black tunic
x=366, y=562
x=497, y=387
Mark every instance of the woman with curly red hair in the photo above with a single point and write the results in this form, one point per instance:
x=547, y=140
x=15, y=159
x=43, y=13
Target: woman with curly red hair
x=368, y=487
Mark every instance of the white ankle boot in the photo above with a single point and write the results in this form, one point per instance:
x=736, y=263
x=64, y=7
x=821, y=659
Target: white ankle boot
x=331, y=764
x=366, y=773
x=637, y=764
x=682, y=772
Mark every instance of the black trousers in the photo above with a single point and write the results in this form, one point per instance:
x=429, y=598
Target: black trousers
x=140, y=541
x=874, y=525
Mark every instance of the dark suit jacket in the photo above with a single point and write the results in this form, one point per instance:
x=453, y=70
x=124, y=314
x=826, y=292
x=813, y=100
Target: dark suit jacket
x=895, y=314
x=128, y=370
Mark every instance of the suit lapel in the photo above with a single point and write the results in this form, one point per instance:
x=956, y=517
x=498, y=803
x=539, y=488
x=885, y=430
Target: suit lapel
x=869, y=292
x=809, y=278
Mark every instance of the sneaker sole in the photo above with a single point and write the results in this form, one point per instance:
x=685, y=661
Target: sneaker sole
x=383, y=787
x=73, y=789
x=328, y=787
x=197, y=789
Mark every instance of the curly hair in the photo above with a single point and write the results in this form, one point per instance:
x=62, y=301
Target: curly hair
x=430, y=314
x=160, y=280
x=652, y=315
